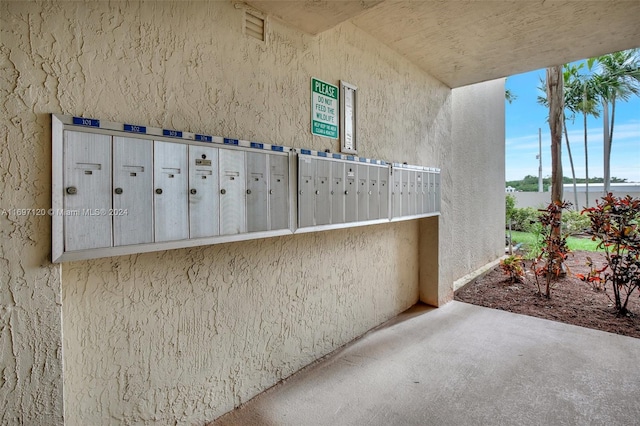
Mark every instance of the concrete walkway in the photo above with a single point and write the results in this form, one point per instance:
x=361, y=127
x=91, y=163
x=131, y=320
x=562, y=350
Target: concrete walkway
x=462, y=365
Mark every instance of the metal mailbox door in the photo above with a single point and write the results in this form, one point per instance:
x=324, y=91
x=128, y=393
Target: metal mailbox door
x=337, y=192
x=257, y=207
x=132, y=191
x=396, y=197
x=363, y=192
x=323, y=192
x=437, y=192
x=87, y=190
x=204, y=208
x=425, y=192
x=412, y=192
x=171, y=208
x=419, y=197
x=374, y=193
x=432, y=190
x=404, y=193
x=306, y=190
x=351, y=193
x=279, y=191
x=383, y=175
x=232, y=192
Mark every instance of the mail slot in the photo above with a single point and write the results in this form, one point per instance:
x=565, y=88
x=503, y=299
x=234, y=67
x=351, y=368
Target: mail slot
x=351, y=193
x=306, y=191
x=405, y=192
x=279, y=192
x=171, y=215
x=204, y=208
x=257, y=207
x=87, y=190
x=374, y=193
x=133, y=191
x=396, y=195
x=385, y=194
x=417, y=175
x=337, y=192
x=436, y=176
x=420, y=182
x=232, y=192
x=412, y=195
x=322, y=192
x=363, y=192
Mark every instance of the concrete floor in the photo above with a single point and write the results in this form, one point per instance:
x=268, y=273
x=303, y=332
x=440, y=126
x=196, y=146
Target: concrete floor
x=461, y=365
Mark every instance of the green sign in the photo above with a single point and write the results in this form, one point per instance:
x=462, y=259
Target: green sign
x=324, y=109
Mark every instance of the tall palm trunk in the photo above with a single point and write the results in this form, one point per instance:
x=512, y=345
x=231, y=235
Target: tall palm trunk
x=573, y=171
x=607, y=145
x=555, y=95
x=586, y=161
x=556, y=106
x=613, y=117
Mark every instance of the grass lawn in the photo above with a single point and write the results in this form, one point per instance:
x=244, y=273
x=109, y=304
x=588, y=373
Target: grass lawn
x=528, y=239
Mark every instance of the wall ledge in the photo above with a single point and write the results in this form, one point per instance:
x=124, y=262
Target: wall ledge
x=472, y=276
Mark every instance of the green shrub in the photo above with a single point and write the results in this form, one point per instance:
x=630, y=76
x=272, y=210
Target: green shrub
x=524, y=218
x=514, y=267
x=554, y=250
x=615, y=222
x=510, y=206
x=535, y=247
x=575, y=223
x=527, y=219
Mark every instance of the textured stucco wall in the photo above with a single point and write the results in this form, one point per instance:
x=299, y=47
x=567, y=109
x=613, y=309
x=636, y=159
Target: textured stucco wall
x=477, y=197
x=30, y=293
x=186, y=335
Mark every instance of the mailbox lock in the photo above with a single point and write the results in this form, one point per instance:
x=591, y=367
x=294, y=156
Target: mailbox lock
x=159, y=191
x=72, y=190
x=369, y=192
x=317, y=192
x=331, y=192
x=193, y=191
x=223, y=191
x=248, y=191
x=118, y=191
x=346, y=192
x=271, y=191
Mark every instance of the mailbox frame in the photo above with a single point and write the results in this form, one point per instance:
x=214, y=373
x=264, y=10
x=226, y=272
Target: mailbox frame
x=386, y=172
x=397, y=203
x=60, y=123
x=347, y=162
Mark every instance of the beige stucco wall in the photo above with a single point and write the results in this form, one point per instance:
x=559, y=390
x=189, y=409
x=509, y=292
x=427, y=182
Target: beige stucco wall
x=477, y=214
x=30, y=293
x=186, y=335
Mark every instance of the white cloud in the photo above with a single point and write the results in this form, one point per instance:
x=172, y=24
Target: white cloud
x=521, y=152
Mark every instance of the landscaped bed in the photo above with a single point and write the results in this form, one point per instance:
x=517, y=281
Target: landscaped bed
x=572, y=300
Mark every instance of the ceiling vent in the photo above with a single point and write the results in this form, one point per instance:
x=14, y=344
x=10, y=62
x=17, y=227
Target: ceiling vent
x=254, y=25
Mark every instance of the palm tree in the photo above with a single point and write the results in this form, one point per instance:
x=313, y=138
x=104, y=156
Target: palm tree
x=618, y=79
x=570, y=77
x=588, y=105
x=555, y=91
x=572, y=100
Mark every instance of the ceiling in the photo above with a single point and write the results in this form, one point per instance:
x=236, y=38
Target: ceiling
x=465, y=42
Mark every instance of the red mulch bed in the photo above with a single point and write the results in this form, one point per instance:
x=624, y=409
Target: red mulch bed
x=572, y=301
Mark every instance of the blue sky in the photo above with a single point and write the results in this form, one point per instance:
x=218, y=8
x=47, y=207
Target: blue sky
x=524, y=116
